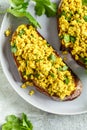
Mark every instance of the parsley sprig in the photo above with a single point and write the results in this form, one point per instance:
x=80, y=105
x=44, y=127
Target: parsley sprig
x=45, y=7
x=18, y=8
x=15, y=123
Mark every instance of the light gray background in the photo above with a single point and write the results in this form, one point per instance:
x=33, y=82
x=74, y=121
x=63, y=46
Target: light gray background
x=12, y=103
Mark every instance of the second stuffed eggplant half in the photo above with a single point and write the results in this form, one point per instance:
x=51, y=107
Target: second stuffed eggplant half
x=38, y=63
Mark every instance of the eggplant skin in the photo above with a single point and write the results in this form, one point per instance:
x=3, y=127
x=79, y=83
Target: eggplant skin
x=73, y=95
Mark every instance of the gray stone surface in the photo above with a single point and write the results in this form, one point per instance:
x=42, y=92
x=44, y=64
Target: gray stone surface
x=12, y=103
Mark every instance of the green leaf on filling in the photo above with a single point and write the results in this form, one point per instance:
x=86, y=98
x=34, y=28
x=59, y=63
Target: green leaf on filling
x=66, y=38
x=52, y=75
x=13, y=48
x=85, y=18
x=66, y=80
x=52, y=57
x=63, y=68
x=21, y=32
x=84, y=2
x=72, y=39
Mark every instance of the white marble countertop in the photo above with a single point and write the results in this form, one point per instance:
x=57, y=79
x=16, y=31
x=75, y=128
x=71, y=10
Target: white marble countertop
x=12, y=103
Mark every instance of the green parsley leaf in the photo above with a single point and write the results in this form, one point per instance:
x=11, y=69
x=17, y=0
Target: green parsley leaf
x=26, y=122
x=85, y=18
x=15, y=123
x=66, y=80
x=63, y=68
x=52, y=75
x=21, y=32
x=22, y=13
x=16, y=2
x=40, y=10
x=85, y=60
x=84, y=2
x=13, y=49
x=52, y=57
x=66, y=38
x=72, y=39
x=45, y=7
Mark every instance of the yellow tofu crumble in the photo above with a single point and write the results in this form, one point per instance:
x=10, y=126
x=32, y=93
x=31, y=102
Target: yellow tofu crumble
x=73, y=28
x=38, y=62
x=7, y=32
x=31, y=92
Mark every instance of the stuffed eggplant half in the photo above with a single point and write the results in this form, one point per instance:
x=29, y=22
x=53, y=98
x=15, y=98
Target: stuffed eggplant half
x=72, y=29
x=38, y=63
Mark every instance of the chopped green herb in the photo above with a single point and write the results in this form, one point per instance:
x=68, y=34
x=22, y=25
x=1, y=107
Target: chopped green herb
x=63, y=68
x=85, y=60
x=68, y=18
x=72, y=39
x=78, y=21
x=13, y=49
x=52, y=75
x=37, y=60
x=15, y=123
x=21, y=32
x=66, y=81
x=85, y=18
x=66, y=38
x=52, y=57
x=18, y=8
x=84, y=2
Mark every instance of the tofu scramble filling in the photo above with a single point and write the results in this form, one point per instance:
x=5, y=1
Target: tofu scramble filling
x=37, y=61
x=73, y=28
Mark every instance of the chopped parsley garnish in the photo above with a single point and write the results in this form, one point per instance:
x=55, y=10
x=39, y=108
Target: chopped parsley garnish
x=21, y=32
x=84, y=2
x=85, y=60
x=63, y=68
x=52, y=75
x=52, y=57
x=85, y=18
x=72, y=39
x=13, y=48
x=66, y=80
x=66, y=38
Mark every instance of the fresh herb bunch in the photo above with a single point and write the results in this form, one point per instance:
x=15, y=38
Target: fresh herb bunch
x=15, y=123
x=18, y=8
x=45, y=7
